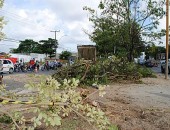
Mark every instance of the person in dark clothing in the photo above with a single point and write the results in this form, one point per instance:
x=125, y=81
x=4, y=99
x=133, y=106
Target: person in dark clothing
x=1, y=73
x=1, y=65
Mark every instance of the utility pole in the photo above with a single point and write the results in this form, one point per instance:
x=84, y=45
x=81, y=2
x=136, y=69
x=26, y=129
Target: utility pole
x=167, y=38
x=55, y=31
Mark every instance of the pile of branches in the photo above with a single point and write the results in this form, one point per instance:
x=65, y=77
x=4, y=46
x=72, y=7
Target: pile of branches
x=101, y=71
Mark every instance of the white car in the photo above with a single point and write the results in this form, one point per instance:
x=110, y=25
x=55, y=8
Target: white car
x=8, y=66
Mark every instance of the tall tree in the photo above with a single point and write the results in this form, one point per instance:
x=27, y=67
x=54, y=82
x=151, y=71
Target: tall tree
x=126, y=23
x=1, y=22
x=153, y=51
x=65, y=55
x=28, y=46
x=49, y=46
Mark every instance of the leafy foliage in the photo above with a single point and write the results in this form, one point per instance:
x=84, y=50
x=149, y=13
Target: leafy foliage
x=44, y=46
x=152, y=50
x=55, y=101
x=123, y=26
x=49, y=46
x=146, y=72
x=5, y=119
x=28, y=46
x=65, y=55
x=1, y=22
x=102, y=71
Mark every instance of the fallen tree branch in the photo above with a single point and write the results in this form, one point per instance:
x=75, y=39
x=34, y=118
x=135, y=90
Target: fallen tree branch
x=87, y=68
x=13, y=120
x=90, y=95
x=83, y=117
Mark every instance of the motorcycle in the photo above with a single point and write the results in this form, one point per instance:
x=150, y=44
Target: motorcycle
x=45, y=67
x=17, y=68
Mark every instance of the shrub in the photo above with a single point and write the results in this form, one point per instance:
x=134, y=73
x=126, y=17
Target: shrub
x=146, y=72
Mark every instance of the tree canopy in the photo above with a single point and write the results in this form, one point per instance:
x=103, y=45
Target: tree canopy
x=47, y=47
x=65, y=55
x=125, y=26
x=27, y=46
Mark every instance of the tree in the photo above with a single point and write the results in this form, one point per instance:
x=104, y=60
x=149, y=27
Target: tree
x=49, y=46
x=65, y=55
x=28, y=46
x=152, y=50
x=1, y=22
x=125, y=25
x=43, y=46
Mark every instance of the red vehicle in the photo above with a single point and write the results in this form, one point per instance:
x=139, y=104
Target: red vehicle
x=14, y=60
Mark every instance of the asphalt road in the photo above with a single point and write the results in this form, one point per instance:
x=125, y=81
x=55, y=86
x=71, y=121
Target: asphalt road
x=17, y=80
x=158, y=70
x=30, y=72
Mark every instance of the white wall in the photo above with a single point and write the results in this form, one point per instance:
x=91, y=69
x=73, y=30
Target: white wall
x=39, y=57
x=25, y=58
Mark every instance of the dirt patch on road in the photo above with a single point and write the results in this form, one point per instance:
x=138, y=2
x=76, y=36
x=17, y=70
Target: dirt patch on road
x=143, y=106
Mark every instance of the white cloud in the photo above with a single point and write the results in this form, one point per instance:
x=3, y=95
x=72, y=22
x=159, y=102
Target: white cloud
x=34, y=20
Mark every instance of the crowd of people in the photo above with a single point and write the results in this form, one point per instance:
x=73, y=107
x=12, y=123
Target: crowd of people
x=34, y=65
x=22, y=66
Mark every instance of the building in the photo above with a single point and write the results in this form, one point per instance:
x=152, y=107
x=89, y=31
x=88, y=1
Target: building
x=87, y=52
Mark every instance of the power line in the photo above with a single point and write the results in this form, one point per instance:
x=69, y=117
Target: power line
x=18, y=41
x=7, y=45
x=11, y=39
x=20, y=19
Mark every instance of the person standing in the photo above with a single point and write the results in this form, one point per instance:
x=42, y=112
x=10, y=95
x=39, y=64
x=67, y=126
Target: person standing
x=22, y=65
x=1, y=66
x=1, y=69
x=37, y=65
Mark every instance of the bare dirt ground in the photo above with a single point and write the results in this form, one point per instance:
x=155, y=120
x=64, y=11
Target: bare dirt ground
x=144, y=106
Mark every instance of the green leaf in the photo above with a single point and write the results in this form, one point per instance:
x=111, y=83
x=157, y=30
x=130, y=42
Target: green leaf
x=57, y=121
x=38, y=122
x=52, y=122
x=40, y=116
x=113, y=127
x=50, y=119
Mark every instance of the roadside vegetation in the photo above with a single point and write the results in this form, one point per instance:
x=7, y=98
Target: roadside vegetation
x=103, y=71
x=118, y=31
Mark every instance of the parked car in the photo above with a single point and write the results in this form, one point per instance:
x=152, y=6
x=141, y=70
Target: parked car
x=163, y=66
x=8, y=66
x=162, y=61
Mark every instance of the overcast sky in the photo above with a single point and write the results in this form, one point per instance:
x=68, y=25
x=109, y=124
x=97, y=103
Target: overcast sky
x=34, y=19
